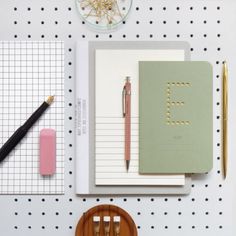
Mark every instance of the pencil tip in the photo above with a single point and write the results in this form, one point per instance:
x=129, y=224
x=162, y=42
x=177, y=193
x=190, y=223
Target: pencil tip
x=50, y=100
x=127, y=165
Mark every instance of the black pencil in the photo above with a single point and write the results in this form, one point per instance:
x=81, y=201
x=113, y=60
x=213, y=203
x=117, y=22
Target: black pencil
x=22, y=131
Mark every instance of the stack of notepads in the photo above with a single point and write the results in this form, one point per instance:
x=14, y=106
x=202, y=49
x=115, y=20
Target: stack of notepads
x=171, y=118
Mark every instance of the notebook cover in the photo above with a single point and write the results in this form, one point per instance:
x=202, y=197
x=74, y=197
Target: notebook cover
x=176, y=117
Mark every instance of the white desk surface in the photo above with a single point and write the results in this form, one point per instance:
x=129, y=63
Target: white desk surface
x=209, y=27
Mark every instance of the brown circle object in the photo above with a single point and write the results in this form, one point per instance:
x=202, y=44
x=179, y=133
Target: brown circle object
x=86, y=224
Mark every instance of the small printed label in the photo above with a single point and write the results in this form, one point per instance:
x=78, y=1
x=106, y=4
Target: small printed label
x=81, y=117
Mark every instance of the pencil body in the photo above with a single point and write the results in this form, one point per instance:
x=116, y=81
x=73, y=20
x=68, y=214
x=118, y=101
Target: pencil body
x=19, y=134
x=127, y=126
x=126, y=97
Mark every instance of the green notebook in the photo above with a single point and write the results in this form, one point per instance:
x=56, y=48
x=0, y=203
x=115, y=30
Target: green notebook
x=175, y=117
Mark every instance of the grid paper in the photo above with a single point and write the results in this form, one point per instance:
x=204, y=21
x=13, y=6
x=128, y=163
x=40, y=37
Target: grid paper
x=30, y=71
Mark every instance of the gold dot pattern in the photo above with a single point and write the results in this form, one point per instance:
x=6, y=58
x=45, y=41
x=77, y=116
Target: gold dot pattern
x=170, y=103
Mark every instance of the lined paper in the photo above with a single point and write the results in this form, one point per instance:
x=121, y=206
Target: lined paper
x=30, y=71
x=112, y=66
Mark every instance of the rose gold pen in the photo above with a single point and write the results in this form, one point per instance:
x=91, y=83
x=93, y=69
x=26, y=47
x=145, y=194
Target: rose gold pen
x=126, y=97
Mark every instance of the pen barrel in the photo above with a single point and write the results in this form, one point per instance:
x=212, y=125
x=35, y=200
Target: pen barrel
x=225, y=120
x=127, y=126
x=12, y=142
x=35, y=116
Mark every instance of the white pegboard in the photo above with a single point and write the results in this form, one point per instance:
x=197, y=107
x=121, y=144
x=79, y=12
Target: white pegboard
x=209, y=27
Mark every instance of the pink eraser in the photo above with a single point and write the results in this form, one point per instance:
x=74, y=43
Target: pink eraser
x=47, y=149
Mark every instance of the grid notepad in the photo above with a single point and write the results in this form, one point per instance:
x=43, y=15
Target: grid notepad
x=29, y=72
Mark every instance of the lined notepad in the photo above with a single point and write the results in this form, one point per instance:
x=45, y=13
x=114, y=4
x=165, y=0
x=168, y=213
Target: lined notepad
x=29, y=72
x=112, y=66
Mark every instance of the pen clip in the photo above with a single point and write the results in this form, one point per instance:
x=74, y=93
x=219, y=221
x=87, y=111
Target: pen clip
x=123, y=100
